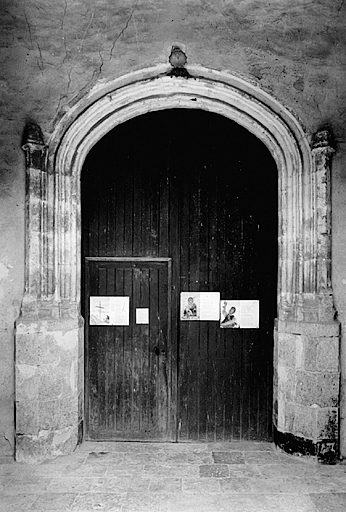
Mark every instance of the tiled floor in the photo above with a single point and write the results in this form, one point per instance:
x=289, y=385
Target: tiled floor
x=130, y=477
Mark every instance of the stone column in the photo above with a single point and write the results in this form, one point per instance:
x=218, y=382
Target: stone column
x=306, y=342
x=49, y=338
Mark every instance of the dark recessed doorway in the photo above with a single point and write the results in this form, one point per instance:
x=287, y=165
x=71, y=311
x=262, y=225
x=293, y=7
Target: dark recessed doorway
x=179, y=201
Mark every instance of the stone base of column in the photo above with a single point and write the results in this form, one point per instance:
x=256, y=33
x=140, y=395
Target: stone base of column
x=49, y=387
x=324, y=451
x=306, y=388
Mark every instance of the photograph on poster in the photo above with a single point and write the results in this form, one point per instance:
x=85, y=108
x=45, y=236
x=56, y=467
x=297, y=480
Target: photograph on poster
x=200, y=306
x=109, y=310
x=189, y=306
x=239, y=314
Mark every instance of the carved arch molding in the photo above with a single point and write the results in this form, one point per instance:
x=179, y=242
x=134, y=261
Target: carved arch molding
x=51, y=304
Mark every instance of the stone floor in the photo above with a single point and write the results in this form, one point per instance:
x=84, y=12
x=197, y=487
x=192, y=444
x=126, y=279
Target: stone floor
x=130, y=477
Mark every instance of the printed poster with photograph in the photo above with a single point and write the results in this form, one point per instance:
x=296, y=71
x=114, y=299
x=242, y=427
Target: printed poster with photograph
x=239, y=314
x=109, y=310
x=200, y=306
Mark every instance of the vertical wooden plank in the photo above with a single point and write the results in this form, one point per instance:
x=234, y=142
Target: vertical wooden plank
x=174, y=273
x=184, y=333
x=137, y=206
x=120, y=214
x=103, y=218
x=144, y=353
x=93, y=218
x=102, y=343
x=154, y=356
x=164, y=181
x=129, y=219
x=110, y=359
x=111, y=216
x=163, y=396
x=128, y=357
x=136, y=352
x=120, y=353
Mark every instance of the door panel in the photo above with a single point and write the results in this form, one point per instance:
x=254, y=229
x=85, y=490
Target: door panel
x=128, y=373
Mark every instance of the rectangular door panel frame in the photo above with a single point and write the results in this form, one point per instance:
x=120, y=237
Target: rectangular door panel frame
x=171, y=356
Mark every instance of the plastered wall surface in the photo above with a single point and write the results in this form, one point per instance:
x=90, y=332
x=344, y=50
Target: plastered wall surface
x=53, y=53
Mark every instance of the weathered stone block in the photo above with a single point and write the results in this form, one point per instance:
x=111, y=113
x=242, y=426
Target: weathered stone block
x=68, y=411
x=289, y=416
x=321, y=353
x=287, y=349
x=27, y=348
x=46, y=445
x=27, y=417
x=286, y=383
x=327, y=423
x=321, y=389
x=50, y=385
x=304, y=424
x=27, y=382
x=309, y=328
x=49, y=415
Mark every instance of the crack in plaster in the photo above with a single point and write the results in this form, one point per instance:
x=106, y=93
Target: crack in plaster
x=28, y=24
x=123, y=30
x=39, y=59
x=341, y=5
x=63, y=31
x=86, y=31
x=9, y=440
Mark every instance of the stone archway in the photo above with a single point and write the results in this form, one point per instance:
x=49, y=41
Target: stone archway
x=49, y=338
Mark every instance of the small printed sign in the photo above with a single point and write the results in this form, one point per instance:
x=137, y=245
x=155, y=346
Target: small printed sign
x=239, y=314
x=200, y=306
x=109, y=310
x=142, y=315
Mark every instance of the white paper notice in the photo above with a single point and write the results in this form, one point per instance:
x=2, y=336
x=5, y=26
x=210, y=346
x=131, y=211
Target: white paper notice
x=109, y=310
x=249, y=311
x=210, y=305
x=242, y=314
x=142, y=315
x=200, y=306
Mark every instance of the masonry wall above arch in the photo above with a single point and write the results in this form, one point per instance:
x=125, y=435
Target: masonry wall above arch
x=51, y=309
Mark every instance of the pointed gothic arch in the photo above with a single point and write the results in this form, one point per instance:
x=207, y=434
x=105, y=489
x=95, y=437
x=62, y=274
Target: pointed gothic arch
x=51, y=303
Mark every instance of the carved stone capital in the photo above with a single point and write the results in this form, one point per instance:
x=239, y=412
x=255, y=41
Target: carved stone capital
x=34, y=147
x=322, y=139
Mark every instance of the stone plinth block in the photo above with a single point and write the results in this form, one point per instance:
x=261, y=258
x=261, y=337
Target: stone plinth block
x=321, y=389
x=314, y=423
x=306, y=390
x=47, y=444
x=49, y=382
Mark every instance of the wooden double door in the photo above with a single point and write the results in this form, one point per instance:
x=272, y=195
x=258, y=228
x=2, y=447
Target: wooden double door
x=179, y=201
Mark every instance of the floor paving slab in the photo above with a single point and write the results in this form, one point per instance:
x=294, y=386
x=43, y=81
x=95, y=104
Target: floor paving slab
x=159, y=477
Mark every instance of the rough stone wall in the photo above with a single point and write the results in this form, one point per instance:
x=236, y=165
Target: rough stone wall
x=54, y=52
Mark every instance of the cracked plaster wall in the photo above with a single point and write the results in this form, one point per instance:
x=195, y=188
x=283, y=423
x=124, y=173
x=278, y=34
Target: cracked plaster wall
x=54, y=52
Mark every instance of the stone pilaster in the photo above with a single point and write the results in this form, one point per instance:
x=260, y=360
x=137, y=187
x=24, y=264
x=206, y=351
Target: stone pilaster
x=306, y=342
x=49, y=337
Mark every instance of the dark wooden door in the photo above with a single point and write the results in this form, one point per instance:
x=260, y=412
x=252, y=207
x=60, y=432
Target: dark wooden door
x=129, y=366
x=199, y=189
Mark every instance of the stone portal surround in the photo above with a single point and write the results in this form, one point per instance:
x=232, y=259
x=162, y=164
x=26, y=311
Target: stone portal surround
x=49, y=332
